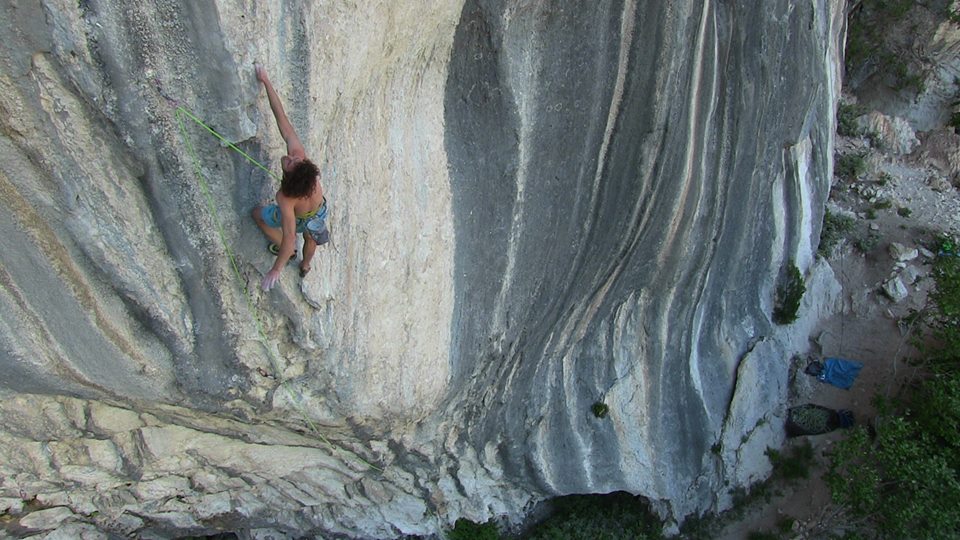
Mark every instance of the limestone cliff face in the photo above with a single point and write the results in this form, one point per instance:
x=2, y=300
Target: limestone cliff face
x=535, y=206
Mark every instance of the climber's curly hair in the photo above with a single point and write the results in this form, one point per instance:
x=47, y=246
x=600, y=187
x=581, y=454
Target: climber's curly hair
x=300, y=181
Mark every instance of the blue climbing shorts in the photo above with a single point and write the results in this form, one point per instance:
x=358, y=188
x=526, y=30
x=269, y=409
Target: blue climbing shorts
x=315, y=224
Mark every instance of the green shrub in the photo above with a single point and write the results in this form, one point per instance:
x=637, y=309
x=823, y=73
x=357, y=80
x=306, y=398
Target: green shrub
x=785, y=524
x=464, y=529
x=904, y=478
x=955, y=121
x=795, y=464
x=851, y=166
x=903, y=211
x=953, y=16
x=944, y=319
x=600, y=409
x=707, y=526
x=598, y=517
x=883, y=204
x=835, y=228
x=868, y=43
x=847, y=115
x=867, y=243
x=907, y=79
x=788, y=296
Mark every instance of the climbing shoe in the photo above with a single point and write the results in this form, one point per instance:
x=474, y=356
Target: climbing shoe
x=275, y=249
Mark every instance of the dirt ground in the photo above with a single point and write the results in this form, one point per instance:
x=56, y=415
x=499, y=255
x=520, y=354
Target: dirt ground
x=867, y=330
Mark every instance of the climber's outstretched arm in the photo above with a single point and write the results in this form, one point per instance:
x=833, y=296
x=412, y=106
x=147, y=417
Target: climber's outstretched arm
x=294, y=146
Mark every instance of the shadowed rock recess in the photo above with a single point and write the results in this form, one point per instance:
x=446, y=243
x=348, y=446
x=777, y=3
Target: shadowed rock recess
x=535, y=207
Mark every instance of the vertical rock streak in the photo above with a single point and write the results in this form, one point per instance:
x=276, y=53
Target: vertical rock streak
x=707, y=45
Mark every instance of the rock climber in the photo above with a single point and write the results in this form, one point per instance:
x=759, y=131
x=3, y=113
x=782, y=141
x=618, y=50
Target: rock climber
x=300, y=205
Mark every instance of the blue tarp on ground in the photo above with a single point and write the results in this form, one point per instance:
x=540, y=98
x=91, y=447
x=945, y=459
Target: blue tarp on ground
x=840, y=373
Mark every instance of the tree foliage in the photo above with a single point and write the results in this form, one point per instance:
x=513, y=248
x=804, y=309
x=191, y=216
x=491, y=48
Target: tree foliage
x=599, y=517
x=464, y=529
x=944, y=320
x=872, y=46
x=836, y=228
x=903, y=477
x=789, y=294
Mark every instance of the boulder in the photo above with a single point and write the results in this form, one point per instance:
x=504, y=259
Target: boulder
x=941, y=149
x=902, y=253
x=894, y=135
x=895, y=290
x=10, y=505
x=46, y=519
x=939, y=184
x=911, y=274
x=264, y=534
x=75, y=531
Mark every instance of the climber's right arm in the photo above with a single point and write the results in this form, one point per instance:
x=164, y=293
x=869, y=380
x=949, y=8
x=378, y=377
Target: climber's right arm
x=294, y=146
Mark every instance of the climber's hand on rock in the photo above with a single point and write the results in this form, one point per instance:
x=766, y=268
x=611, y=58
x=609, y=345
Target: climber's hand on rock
x=270, y=280
x=261, y=73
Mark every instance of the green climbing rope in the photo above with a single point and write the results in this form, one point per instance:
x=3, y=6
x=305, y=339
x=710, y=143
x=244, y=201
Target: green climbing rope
x=181, y=111
x=295, y=398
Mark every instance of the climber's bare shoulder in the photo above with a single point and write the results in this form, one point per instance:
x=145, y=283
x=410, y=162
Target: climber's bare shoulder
x=300, y=206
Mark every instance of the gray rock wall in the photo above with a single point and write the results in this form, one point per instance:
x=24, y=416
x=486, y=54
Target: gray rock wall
x=94, y=148
x=628, y=180
x=534, y=207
